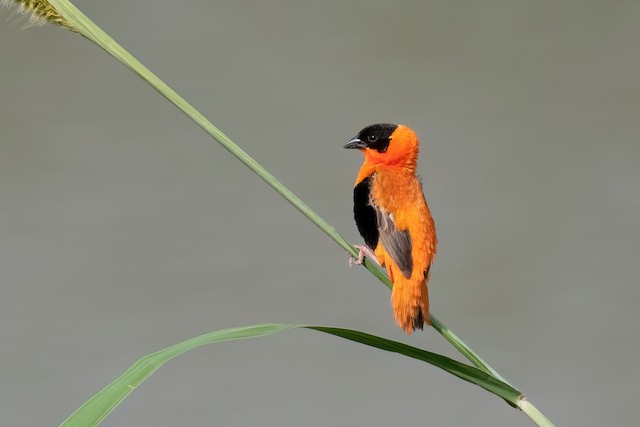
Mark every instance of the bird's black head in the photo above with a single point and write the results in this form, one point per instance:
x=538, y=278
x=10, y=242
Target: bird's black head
x=375, y=137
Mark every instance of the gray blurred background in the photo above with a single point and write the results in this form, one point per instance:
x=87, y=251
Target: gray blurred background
x=125, y=229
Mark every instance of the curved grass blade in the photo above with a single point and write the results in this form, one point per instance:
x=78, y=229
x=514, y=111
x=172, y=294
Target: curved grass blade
x=468, y=373
x=96, y=409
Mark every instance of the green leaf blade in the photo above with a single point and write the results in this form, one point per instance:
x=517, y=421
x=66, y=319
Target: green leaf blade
x=96, y=409
x=460, y=370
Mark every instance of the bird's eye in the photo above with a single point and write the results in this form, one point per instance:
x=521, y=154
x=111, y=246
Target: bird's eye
x=372, y=138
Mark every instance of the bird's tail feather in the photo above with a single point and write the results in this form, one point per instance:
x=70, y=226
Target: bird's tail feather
x=410, y=302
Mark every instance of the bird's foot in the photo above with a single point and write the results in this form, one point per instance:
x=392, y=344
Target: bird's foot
x=362, y=251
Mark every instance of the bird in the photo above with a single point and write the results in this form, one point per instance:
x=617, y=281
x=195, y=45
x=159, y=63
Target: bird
x=393, y=217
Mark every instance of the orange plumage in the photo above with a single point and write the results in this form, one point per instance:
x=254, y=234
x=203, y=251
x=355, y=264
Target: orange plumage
x=393, y=217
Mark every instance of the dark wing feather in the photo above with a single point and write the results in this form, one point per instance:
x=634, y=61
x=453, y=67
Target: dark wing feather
x=396, y=242
x=365, y=214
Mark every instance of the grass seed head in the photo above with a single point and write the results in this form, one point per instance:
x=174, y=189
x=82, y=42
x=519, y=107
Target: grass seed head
x=38, y=12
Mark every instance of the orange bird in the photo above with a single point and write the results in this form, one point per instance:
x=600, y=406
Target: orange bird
x=393, y=217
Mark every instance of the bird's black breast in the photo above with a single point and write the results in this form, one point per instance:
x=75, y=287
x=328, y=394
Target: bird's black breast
x=364, y=213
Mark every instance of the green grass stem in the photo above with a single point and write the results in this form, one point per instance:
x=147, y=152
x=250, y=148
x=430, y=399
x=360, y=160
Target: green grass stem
x=81, y=23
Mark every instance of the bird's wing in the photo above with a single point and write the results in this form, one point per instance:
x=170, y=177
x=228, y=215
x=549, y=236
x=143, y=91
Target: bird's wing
x=396, y=242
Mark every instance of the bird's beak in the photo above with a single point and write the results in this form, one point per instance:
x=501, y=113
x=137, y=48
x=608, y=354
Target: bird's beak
x=355, y=143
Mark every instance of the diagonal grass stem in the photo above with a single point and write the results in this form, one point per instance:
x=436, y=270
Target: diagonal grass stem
x=81, y=23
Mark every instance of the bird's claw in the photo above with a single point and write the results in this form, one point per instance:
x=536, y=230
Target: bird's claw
x=362, y=251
